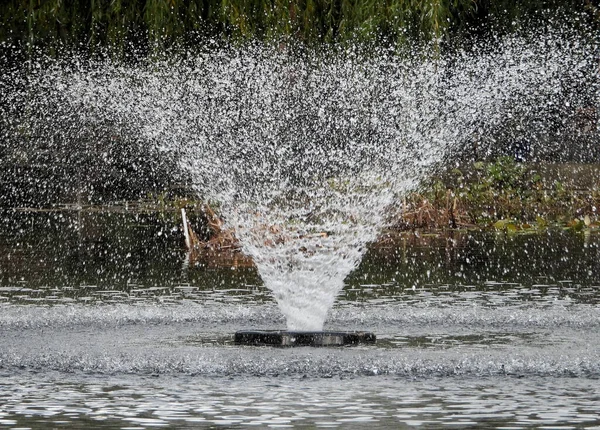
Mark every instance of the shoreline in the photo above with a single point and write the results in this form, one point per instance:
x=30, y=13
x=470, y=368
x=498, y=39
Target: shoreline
x=501, y=195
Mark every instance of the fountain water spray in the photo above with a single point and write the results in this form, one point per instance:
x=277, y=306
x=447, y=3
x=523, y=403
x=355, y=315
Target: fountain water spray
x=307, y=154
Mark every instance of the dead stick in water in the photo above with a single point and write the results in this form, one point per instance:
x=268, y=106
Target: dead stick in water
x=191, y=240
x=186, y=233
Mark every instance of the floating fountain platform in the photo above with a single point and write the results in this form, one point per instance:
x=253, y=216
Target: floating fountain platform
x=303, y=338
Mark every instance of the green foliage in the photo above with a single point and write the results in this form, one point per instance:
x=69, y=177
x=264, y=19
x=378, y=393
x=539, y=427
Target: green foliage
x=157, y=24
x=510, y=196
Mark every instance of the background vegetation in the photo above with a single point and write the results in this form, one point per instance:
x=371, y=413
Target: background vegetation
x=508, y=196
x=136, y=28
x=129, y=26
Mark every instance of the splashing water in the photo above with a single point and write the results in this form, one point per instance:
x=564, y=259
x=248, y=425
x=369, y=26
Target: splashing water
x=306, y=155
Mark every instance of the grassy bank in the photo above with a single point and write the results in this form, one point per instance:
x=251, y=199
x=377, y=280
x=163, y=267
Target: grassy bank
x=502, y=194
x=507, y=195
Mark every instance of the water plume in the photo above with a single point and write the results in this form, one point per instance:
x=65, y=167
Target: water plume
x=306, y=154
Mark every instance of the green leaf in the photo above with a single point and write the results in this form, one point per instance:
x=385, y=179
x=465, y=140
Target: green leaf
x=541, y=223
x=504, y=224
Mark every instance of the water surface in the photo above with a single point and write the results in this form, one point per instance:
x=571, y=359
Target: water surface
x=103, y=322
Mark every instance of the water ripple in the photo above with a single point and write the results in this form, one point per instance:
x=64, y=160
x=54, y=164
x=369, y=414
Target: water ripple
x=369, y=315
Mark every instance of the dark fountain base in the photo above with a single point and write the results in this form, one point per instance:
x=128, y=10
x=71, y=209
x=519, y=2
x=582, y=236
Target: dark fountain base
x=303, y=338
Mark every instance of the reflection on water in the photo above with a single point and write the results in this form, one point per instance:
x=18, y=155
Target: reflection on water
x=102, y=324
x=107, y=257
x=548, y=265
x=116, y=257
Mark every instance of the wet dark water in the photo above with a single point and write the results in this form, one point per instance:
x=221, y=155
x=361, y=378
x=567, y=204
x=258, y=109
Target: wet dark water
x=103, y=322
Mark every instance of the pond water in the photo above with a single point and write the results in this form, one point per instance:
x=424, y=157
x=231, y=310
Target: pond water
x=104, y=322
